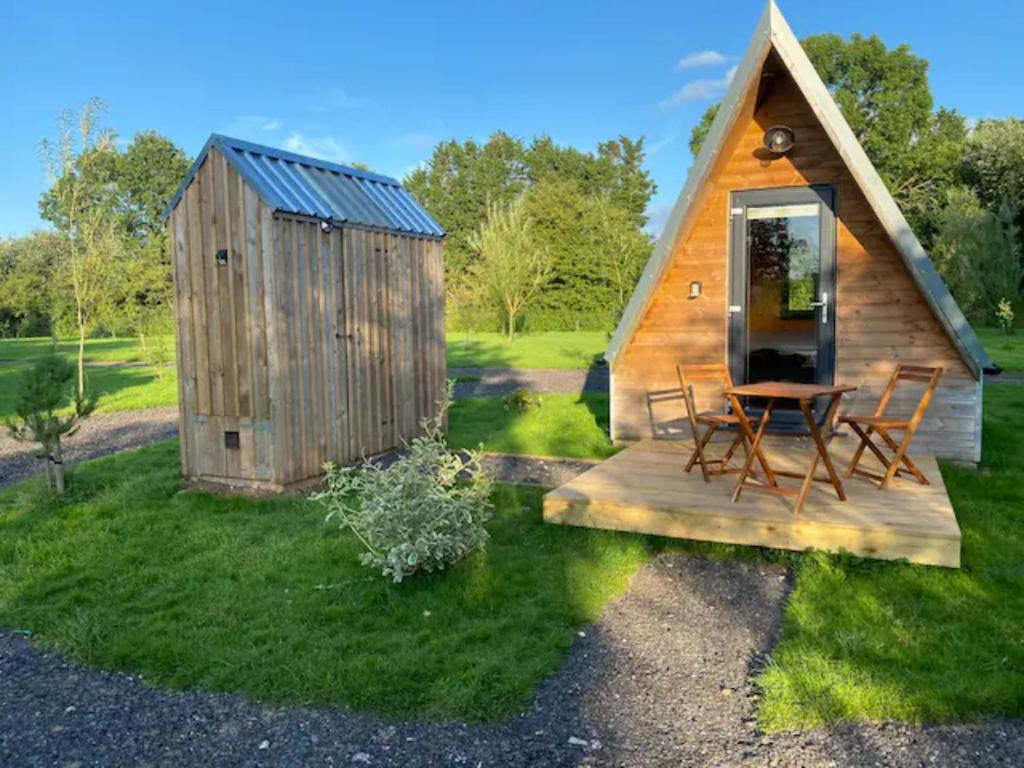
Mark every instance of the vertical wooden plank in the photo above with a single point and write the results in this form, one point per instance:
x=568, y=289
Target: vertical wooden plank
x=314, y=407
x=255, y=303
x=299, y=352
x=197, y=280
x=214, y=329
x=437, y=308
x=339, y=259
x=273, y=267
x=328, y=352
x=362, y=261
x=183, y=328
x=241, y=313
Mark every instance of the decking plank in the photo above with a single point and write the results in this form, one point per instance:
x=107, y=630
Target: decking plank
x=643, y=489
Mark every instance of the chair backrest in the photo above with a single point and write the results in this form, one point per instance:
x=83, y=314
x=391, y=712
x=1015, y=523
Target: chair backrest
x=918, y=373
x=716, y=372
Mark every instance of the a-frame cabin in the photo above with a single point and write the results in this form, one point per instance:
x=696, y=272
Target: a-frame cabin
x=853, y=293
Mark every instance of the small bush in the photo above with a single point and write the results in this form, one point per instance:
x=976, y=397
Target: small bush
x=1005, y=316
x=522, y=400
x=425, y=511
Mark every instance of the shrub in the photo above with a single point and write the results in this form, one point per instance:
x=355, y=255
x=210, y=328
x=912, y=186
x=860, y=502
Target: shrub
x=424, y=511
x=522, y=400
x=1005, y=316
x=45, y=390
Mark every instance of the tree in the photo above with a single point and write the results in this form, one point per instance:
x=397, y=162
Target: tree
x=597, y=255
x=994, y=163
x=514, y=267
x=885, y=97
x=44, y=391
x=80, y=209
x=26, y=280
x=462, y=180
x=978, y=254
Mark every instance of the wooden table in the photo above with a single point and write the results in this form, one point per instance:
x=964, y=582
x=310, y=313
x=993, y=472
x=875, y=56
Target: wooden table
x=805, y=395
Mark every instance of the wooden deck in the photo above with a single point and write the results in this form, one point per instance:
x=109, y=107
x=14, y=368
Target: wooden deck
x=644, y=489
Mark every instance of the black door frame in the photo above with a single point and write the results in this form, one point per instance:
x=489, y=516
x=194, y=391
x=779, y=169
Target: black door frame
x=739, y=279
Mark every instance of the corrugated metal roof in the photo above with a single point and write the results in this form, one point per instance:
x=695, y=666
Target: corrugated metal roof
x=302, y=185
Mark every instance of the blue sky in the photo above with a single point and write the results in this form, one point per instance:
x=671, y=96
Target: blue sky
x=382, y=82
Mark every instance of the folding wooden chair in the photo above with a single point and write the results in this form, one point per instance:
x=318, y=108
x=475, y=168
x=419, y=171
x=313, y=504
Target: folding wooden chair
x=712, y=420
x=882, y=425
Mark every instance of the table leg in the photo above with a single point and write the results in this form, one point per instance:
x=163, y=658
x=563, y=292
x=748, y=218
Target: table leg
x=821, y=452
x=755, y=448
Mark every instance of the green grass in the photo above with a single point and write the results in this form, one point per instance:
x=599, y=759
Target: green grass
x=866, y=640
x=569, y=349
x=564, y=425
x=117, y=389
x=1006, y=350
x=264, y=598
x=125, y=350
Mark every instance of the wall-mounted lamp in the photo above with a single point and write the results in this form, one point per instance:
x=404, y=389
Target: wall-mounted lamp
x=779, y=139
x=694, y=290
x=222, y=257
x=326, y=226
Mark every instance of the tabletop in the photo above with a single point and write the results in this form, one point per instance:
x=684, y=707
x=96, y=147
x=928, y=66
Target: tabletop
x=788, y=390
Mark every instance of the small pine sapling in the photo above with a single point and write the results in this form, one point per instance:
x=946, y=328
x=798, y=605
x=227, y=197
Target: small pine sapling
x=45, y=393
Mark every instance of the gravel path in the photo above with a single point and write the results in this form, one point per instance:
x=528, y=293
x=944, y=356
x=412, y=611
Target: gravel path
x=494, y=382
x=663, y=679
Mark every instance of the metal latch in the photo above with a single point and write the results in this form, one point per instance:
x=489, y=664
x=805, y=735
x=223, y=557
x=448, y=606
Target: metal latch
x=735, y=309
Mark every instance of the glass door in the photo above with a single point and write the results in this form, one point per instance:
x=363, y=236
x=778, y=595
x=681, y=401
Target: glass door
x=782, y=286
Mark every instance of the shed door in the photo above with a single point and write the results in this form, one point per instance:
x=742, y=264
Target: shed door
x=782, y=285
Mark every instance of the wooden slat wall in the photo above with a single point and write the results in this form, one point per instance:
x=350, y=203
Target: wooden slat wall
x=361, y=342
x=882, y=317
x=314, y=346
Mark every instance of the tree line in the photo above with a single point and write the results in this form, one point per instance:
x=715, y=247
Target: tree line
x=540, y=236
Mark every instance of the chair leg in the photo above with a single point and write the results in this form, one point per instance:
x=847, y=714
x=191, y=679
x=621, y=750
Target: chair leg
x=898, y=458
x=860, y=449
x=698, y=453
x=740, y=438
x=910, y=465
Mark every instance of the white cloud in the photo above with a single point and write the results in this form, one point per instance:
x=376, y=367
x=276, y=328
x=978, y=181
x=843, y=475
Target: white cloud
x=700, y=90
x=246, y=125
x=416, y=140
x=332, y=99
x=701, y=59
x=322, y=148
x=657, y=216
x=659, y=145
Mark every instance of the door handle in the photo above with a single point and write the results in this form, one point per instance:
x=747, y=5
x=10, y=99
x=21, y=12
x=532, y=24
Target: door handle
x=824, y=307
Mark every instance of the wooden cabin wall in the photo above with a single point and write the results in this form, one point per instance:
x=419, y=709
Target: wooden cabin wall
x=359, y=342
x=313, y=346
x=882, y=318
x=224, y=382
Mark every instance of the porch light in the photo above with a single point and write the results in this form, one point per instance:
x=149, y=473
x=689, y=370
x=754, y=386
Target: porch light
x=326, y=226
x=694, y=290
x=779, y=139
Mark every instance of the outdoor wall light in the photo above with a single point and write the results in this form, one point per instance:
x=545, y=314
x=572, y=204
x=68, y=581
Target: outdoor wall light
x=694, y=290
x=326, y=226
x=779, y=139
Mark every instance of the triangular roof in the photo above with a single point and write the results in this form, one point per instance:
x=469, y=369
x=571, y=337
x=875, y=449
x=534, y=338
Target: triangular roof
x=307, y=186
x=773, y=33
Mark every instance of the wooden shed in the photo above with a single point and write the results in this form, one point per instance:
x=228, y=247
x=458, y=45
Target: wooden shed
x=791, y=264
x=309, y=302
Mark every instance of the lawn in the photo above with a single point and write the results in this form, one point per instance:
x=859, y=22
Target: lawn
x=564, y=425
x=116, y=389
x=1006, y=350
x=569, y=349
x=264, y=598
x=865, y=640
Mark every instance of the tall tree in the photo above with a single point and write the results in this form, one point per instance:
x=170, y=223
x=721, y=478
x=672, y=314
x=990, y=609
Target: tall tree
x=462, y=180
x=514, y=266
x=88, y=266
x=994, y=163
